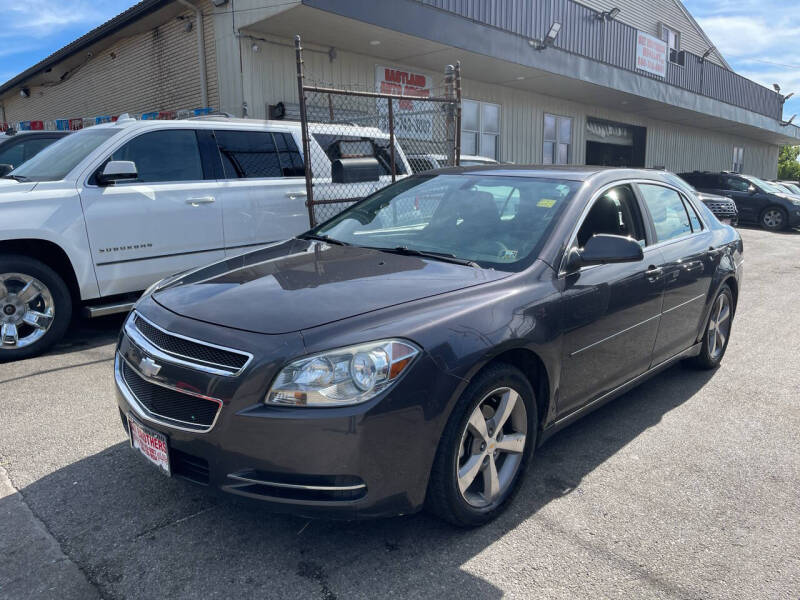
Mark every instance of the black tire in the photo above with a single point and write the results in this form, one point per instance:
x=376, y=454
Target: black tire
x=710, y=358
x=444, y=497
x=62, y=301
x=774, y=218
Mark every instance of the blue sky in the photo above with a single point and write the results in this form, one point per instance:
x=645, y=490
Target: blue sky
x=757, y=37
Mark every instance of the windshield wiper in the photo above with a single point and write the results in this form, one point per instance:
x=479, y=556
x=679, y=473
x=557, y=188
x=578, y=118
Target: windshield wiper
x=19, y=178
x=441, y=256
x=322, y=238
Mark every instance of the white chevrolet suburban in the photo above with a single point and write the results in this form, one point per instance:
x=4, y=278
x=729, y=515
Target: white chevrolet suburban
x=100, y=215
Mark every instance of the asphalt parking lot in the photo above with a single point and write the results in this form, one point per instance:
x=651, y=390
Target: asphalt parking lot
x=686, y=487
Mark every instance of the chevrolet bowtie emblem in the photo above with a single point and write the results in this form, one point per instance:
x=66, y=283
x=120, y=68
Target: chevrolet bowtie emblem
x=149, y=367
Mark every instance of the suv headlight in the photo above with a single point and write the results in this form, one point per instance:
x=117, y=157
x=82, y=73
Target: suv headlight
x=343, y=376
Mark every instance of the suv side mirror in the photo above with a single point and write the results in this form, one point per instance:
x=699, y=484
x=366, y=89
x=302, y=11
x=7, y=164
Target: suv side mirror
x=5, y=169
x=605, y=248
x=117, y=170
x=752, y=189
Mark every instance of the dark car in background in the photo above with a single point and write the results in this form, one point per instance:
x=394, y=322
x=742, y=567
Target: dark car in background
x=415, y=349
x=723, y=207
x=17, y=147
x=757, y=201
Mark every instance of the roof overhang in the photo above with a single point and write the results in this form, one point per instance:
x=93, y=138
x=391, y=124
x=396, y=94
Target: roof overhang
x=414, y=34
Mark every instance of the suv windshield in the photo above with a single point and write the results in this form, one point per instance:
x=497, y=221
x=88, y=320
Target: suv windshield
x=496, y=222
x=56, y=161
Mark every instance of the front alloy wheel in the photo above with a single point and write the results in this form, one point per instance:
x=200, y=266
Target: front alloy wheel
x=485, y=447
x=27, y=310
x=491, y=447
x=35, y=307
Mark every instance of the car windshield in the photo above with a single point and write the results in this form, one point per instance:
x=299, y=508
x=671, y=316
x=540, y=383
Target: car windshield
x=793, y=189
x=496, y=222
x=767, y=187
x=57, y=160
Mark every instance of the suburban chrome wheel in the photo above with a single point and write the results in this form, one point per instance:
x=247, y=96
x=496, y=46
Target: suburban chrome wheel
x=27, y=310
x=491, y=447
x=719, y=326
x=773, y=218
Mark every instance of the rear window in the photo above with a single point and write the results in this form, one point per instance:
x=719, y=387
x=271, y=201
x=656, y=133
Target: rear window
x=258, y=154
x=348, y=146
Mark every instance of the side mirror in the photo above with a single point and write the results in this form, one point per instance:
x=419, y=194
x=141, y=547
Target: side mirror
x=5, y=169
x=605, y=248
x=117, y=170
x=752, y=189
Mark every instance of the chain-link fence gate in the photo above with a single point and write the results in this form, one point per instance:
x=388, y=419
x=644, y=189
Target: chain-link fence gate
x=356, y=141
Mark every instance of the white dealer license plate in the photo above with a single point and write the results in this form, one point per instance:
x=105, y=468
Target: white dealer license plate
x=152, y=444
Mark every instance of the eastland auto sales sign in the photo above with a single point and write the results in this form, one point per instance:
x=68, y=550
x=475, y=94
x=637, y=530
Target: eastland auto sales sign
x=651, y=54
x=412, y=120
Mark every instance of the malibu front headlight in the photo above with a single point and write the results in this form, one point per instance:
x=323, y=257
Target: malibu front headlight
x=342, y=376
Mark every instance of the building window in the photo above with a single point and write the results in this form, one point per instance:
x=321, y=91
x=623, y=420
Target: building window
x=557, y=147
x=738, y=159
x=673, y=39
x=480, y=129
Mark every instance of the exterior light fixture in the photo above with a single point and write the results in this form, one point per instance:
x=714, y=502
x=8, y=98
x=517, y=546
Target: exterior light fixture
x=548, y=40
x=25, y=93
x=776, y=87
x=255, y=47
x=787, y=96
x=706, y=54
x=609, y=15
x=789, y=122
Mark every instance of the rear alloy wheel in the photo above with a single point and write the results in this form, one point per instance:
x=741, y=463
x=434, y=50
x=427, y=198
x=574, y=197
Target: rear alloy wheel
x=774, y=219
x=485, y=448
x=717, y=333
x=35, y=307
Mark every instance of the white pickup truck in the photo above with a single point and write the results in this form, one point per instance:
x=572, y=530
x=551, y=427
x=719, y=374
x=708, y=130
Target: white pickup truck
x=105, y=212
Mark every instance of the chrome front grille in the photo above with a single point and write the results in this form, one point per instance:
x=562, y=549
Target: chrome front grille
x=165, y=404
x=185, y=351
x=722, y=209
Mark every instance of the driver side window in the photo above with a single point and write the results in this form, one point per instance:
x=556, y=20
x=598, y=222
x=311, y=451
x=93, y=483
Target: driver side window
x=616, y=212
x=735, y=184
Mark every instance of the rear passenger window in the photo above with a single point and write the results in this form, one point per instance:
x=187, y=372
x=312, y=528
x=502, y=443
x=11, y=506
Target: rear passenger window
x=164, y=156
x=289, y=155
x=667, y=210
x=694, y=219
x=248, y=154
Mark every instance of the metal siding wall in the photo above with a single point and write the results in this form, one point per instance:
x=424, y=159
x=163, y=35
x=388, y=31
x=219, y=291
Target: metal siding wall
x=154, y=70
x=270, y=78
x=614, y=42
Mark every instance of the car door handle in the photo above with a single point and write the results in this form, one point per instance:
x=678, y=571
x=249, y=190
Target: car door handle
x=296, y=194
x=653, y=273
x=200, y=200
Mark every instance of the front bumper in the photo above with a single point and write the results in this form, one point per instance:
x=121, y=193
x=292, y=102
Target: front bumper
x=362, y=461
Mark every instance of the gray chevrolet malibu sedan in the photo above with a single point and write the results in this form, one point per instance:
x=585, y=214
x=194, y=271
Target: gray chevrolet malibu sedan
x=416, y=349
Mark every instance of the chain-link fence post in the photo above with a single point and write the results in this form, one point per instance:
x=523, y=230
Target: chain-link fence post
x=450, y=113
x=298, y=51
x=458, y=113
x=391, y=138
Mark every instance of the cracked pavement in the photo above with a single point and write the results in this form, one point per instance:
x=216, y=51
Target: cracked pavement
x=686, y=487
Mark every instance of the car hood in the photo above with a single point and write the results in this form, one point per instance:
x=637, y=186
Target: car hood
x=300, y=284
